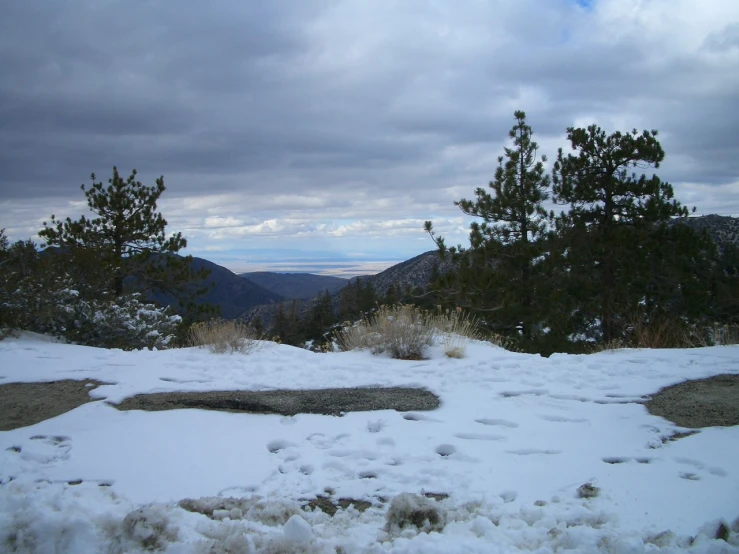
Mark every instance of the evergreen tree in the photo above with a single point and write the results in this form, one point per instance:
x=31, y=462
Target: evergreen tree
x=287, y=325
x=125, y=242
x=38, y=294
x=609, y=231
x=497, y=270
x=356, y=299
x=320, y=316
x=279, y=329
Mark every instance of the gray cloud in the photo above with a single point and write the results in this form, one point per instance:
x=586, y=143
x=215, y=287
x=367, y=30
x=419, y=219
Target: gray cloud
x=399, y=107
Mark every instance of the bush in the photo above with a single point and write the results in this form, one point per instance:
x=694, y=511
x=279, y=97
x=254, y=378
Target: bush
x=53, y=307
x=406, y=331
x=724, y=334
x=403, y=330
x=456, y=329
x=126, y=323
x=663, y=333
x=220, y=336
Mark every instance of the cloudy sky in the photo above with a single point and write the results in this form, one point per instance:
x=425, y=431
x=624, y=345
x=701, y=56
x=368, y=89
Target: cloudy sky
x=320, y=134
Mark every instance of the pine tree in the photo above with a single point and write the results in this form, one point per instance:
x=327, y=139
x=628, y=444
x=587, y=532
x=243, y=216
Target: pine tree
x=125, y=242
x=608, y=232
x=320, y=316
x=497, y=272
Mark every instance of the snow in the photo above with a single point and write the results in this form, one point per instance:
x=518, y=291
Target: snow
x=514, y=440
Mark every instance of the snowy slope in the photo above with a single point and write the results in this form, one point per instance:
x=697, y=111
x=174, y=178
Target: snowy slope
x=514, y=438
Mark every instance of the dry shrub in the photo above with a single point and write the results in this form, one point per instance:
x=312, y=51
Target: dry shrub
x=722, y=335
x=221, y=336
x=456, y=329
x=663, y=333
x=406, y=331
x=403, y=330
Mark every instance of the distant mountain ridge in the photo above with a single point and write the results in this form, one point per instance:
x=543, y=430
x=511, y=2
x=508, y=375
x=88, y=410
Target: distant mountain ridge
x=232, y=294
x=302, y=286
x=723, y=229
x=414, y=273
x=269, y=289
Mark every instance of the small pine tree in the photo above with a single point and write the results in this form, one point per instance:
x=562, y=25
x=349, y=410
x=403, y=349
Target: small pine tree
x=125, y=242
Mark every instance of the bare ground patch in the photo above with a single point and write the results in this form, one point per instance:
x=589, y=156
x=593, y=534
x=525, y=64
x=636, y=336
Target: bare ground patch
x=711, y=402
x=289, y=402
x=23, y=404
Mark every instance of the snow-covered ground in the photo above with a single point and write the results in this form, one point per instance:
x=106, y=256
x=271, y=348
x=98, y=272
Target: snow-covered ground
x=515, y=437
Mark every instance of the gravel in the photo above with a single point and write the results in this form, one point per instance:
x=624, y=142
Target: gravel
x=692, y=404
x=712, y=402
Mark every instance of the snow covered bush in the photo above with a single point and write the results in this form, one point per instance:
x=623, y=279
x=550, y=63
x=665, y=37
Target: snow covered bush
x=412, y=511
x=220, y=336
x=39, y=293
x=127, y=322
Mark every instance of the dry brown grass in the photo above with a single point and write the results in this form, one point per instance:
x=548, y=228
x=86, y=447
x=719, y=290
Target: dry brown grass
x=722, y=335
x=405, y=331
x=663, y=333
x=221, y=336
x=456, y=329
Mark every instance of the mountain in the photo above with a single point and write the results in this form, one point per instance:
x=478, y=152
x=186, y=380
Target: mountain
x=302, y=286
x=414, y=273
x=724, y=230
x=232, y=294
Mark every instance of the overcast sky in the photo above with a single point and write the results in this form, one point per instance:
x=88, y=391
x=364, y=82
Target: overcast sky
x=321, y=134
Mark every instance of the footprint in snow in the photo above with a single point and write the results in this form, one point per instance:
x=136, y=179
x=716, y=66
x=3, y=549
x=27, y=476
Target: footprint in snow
x=625, y=459
x=44, y=449
x=445, y=450
x=412, y=416
x=719, y=472
x=480, y=437
x=515, y=393
x=570, y=397
x=561, y=419
x=532, y=451
x=497, y=422
x=276, y=446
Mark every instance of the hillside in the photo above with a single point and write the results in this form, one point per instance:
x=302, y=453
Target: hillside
x=413, y=273
x=303, y=286
x=232, y=294
x=723, y=229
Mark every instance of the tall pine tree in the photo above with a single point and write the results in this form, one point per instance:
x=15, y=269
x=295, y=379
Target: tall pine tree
x=497, y=269
x=608, y=233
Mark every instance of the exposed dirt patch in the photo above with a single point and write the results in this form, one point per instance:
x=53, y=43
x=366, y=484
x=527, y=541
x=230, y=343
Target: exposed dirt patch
x=289, y=402
x=23, y=404
x=712, y=402
x=330, y=506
